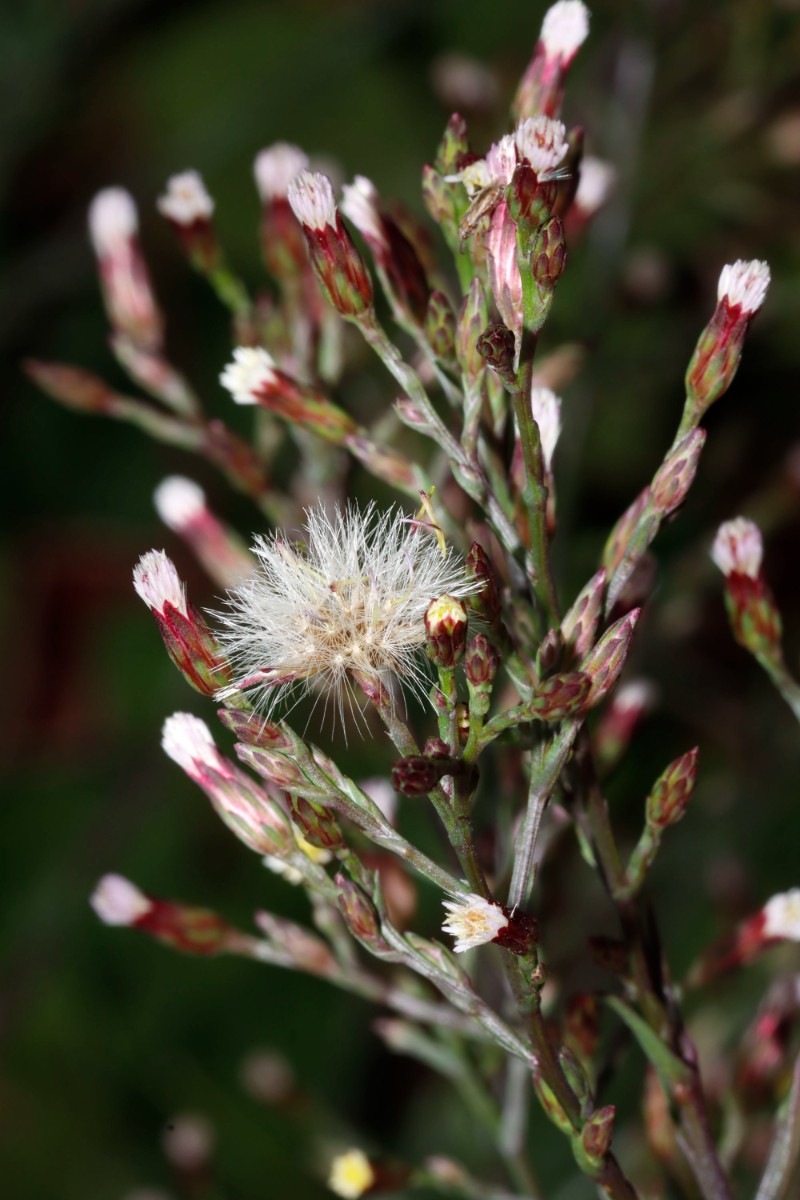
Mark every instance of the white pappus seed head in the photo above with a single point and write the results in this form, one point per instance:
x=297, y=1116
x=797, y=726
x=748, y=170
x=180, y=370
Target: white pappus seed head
x=543, y=142
x=117, y=901
x=275, y=167
x=310, y=195
x=188, y=742
x=565, y=27
x=546, y=410
x=360, y=202
x=473, y=921
x=179, y=501
x=744, y=285
x=252, y=370
x=157, y=582
x=351, y=599
x=782, y=916
x=738, y=548
x=186, y=199
x=112, y=219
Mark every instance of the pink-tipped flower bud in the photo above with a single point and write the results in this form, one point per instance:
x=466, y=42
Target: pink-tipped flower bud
x=480, y=663
x=182, y=506
x=675, y=476
x=336, y=262
x=198, y=931
x=189, y=209
x=485, y=599
x=446, y=627
x=562, y=696
x=282, y=243
x=741, y=293
x=125, y=280
x=564, y=30
x=613, y=733
x=117, y=901
x=754, y=617
x=189, y=642
x=672, y=791
x=497, y=347
x=738, y=548
x=604, y=663
x=254, y=378
x=579, y=627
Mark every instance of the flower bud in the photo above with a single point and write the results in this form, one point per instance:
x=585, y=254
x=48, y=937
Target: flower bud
x=440, y=328
x=481, y=662
x=359, y=913
x=125, y=280
x=604, y=663
x=496, y=346
x=473, y=317
x=485, y=600
x=672, y=792
x=256, y=731
x=675, y=476
x=417, y=775
x=754, y=617
x=337, y=264
x=188, y=207
x=282, y=242
x=548, y=257
x=564, y=29
x=550, y=1104
x=597, y=1134
x=446, y=626
x=318, y=826
x=193, y=930
x=454, y=147
x=616, y=727
x=579, y=626
x=562, y=696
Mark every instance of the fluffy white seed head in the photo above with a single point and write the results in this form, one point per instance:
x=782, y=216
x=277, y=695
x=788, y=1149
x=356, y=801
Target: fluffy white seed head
x=360, y=202
x=596, y=182
x=275, y=168
x=473, y=921
x=546, y=409
x=187, y=741
x=744, y=285
x=311, y=196
x=738, y=548
x=565, y=27
x=186, y=199
x=352, y=599
x=543, y=142
x=117, y=901
x=782, y=916
x=157, y=582
x=252, y=370
x=351, y=1175
x=113, y=219
x=179, y=501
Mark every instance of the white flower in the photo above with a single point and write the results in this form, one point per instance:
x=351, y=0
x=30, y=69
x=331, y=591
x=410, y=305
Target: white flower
x=473, y=921
x=351, y=1175
x=252, y=370
x=546, y=409
x=186, y=199
x=495, y=170
x=782, y=916
x=310, y=195
x=564, y=28
x=275, y=168
x=179, y=501
x=188, y=741
x=117, y=901
x=112, y=219
x=542, y=141
x=597, y=178
x=744, y=285
x=352, y=600
x=360, y=205
x=157, y=582
x=738, y=548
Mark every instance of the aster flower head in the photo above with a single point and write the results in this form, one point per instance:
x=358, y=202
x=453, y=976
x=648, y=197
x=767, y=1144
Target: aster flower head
x=157, y=582
x=179, y=502
x=473, y=921
x=738, y=548
x=112, y=219
x=744, y=285
x=543, y=142
x=275, y=167
x=782, y=916
x=186, y=199
x=564, y=29
x=350, y=603
x=311, y=196
x=252, y=370
x=117, y=901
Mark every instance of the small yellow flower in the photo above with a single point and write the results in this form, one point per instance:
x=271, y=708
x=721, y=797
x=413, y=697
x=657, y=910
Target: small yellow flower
x=315, y=853
x=351, y=1175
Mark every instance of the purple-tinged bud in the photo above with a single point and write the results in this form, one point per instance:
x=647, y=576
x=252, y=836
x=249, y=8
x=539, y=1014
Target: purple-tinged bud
x=564, y=29
x=638, y=521
x=193, y=930
x=597, y=1135
x=485, y=600
x=70, y=386
x=417, y=775
x=497, y=347
x=741, y=293
x=277, y=768
x=754, y=617
x=481, y=662
x=189, y=208
x=579, y=626
x=604, y=663
x=317, y=825
x=440, y=328
x=562, y=696
x=675, y=476
x=282, y=242
x=473, y=318
x=307, y=952
x=672, y=791
x=446, y=627
x=254, y=730
x=435, y=747
x=454, y=149
x=189, y=642
x=549, y=652
x=125, y=280
x=337, y=264
x=548, y=255
x=359, y=914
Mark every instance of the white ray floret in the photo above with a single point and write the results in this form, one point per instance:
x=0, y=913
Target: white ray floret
x=275, y=167
x=157, y=582
x=186, y=199
x=782, y=916
x=565, y=27
x=473, y=921
x=738, y=548
x=744, y=285
x=252, y=370
x=311, y=196
x=360, y=202
x=117, y=901
x=352, y=599
x=188, y=741
x=543, y=142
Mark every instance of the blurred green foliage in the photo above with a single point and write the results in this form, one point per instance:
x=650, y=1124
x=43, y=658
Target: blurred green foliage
x=698, y=105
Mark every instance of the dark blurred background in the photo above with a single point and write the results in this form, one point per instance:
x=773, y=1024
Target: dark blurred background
x=108, y=1038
